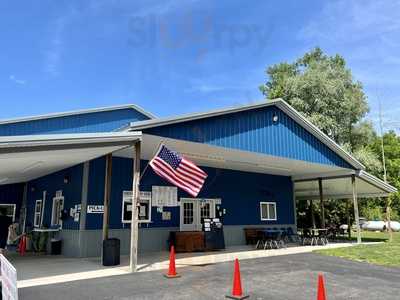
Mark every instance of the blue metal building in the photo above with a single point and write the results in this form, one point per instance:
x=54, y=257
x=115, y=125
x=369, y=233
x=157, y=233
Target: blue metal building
x=259, y=159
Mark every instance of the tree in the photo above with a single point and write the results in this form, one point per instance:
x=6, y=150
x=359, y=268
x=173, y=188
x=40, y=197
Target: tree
x=391, y=143
x=323, y=89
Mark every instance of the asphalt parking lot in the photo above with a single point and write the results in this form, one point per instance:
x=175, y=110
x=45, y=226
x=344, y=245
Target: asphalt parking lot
x=280, y=277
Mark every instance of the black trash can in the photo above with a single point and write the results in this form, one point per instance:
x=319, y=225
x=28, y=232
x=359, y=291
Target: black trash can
x=55, y=247
x=111, y=252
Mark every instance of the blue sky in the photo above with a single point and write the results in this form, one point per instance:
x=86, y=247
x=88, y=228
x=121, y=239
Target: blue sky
x=173, y=57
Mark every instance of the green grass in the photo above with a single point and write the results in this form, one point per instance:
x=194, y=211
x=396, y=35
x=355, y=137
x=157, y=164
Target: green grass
x=386, y=254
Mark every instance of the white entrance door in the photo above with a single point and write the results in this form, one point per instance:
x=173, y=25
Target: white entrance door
x=193, y=211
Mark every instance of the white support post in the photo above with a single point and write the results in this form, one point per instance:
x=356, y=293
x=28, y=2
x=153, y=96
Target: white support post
x=355, y=203
x=135, y=201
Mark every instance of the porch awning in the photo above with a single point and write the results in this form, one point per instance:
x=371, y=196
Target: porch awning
x=340, y=186
x=23, y=158
x=336, y=180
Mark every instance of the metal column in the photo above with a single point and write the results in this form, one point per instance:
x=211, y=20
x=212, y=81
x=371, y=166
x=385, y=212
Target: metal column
x=355, y=203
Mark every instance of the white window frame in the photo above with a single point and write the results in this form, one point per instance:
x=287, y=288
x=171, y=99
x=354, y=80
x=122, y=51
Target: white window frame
x=268, y=217
x=53, y=212
x=35, y=213
x=127, y=198
x=14, y=209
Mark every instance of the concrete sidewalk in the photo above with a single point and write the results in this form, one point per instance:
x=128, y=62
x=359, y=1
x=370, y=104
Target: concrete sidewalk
x=45, y=270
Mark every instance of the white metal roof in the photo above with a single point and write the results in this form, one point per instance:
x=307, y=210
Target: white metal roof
x=24, y=158
x=77, y=112
x=299, y=118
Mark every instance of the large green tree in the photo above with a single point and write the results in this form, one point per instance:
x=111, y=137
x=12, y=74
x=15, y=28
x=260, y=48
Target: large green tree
x=323, y=89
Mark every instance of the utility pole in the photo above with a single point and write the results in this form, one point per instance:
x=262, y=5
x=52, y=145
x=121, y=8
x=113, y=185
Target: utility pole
x=388, y=204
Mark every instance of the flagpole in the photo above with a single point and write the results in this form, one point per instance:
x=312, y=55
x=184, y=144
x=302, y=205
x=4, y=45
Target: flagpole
x=154, y=154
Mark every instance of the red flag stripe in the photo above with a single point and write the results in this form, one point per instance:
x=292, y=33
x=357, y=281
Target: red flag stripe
x=187, y=174
x=193, y=167
x=167, y=168
x=165, y=175
x=190, y=169
x=183, y=178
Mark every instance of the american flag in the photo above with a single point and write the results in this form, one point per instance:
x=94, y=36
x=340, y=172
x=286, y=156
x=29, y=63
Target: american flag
x=178, y=170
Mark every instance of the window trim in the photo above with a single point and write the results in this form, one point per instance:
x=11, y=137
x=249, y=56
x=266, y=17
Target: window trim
x=57, y=198
x=268, y=217
x=13, y=205
x=126, y=199
x=37, y=213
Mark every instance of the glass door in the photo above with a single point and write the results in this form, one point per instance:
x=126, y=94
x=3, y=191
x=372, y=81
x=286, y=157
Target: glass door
x=193, y=211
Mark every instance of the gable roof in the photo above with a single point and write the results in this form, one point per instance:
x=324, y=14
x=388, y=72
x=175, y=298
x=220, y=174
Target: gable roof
x=77, y=112
x=281, y=104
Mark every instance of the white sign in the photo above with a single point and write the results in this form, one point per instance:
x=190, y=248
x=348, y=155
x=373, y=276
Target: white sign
x=95, y=209
x=9, y=290
x=164, y=196
x=143, y=196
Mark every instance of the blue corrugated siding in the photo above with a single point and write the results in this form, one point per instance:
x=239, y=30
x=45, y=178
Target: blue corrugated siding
x=12, y=194
x=255, y=131
x=242, y=202
x=72, y=192
x=84, y=123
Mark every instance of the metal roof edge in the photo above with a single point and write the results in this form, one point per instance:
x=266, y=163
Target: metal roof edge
x=77, y=112
x=376, y=181
x=195, y=116
x=66, y=139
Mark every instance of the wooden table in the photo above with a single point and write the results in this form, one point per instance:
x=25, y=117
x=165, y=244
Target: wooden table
x=188, y=241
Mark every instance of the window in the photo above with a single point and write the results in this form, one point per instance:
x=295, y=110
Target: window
x=10, y=210
x=188, y=213
x=144, y=210
x=205, y=210
x=38, y=213
x=58, y=206
x=268, y=211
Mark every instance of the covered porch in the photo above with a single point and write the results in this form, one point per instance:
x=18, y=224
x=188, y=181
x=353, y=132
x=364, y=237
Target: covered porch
x=27, y=158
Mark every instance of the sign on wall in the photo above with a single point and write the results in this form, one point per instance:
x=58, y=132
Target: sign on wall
x=164, y=196
x=95, y=209
x=9, y=290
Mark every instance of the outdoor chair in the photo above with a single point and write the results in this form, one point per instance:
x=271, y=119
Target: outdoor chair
x=323, y=237
x=293, y=237
x=260, y=239
x=270, y=240
x=314, y=238
x=280, y=239
x=306, y=237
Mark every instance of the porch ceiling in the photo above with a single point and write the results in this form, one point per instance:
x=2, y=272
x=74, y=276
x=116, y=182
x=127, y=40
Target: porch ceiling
x=24, y=158
x=367, y=186
x=218, y=157
x=336, y=180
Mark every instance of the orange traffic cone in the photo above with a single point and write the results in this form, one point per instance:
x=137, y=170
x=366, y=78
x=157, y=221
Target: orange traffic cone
x=321, y=295
x=172, y=269
x=237, y=292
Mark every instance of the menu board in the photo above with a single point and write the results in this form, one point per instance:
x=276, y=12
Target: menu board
x=164, y=196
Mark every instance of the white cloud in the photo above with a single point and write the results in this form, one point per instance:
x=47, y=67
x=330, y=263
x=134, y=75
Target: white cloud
x=17, y=80
x=56, y=47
